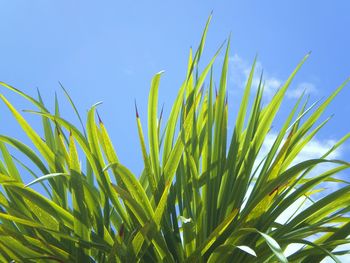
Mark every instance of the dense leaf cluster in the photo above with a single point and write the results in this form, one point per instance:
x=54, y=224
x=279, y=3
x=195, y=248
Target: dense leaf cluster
x=202, y=196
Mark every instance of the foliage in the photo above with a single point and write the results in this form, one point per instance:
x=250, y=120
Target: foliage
x=202, y=196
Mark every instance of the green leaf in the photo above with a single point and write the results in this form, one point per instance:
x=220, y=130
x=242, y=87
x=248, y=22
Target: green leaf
x=153, y=125
x=218, y=231
x=37, y=141
x=271, y=242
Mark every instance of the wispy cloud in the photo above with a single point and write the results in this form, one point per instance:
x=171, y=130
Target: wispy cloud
x=240, y=72
x=306, y=87
x=314, y=149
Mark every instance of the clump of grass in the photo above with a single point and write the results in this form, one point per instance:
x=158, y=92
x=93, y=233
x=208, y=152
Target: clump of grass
x=202, y=196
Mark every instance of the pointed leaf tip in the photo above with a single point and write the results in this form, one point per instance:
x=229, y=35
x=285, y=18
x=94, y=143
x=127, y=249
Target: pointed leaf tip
x=121, y=231
x=161, y=112
x=136, y=110
x=99, y=118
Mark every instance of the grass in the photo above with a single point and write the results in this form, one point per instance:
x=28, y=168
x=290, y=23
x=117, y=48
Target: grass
x=203, y=195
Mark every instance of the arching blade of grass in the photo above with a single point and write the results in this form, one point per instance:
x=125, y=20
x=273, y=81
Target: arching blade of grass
x=152, y=125
x=73, y=106
x=37, y=141
x=146, y=160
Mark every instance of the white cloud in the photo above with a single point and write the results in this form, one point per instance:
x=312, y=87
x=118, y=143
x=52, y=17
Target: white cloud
x=240, y=70
x=271, y=86
x=314, y=149
x=240, y=73
x=308, y=87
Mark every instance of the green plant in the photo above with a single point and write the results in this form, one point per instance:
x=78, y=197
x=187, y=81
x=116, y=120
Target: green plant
x=200, y=196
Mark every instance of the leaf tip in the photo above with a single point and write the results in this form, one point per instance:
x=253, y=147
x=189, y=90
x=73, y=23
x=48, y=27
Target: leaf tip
x=136, y=110
x=121, y=230
x=161, y=112
x=99, y=118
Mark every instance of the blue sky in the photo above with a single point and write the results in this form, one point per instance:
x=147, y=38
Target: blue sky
x=109, y=50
